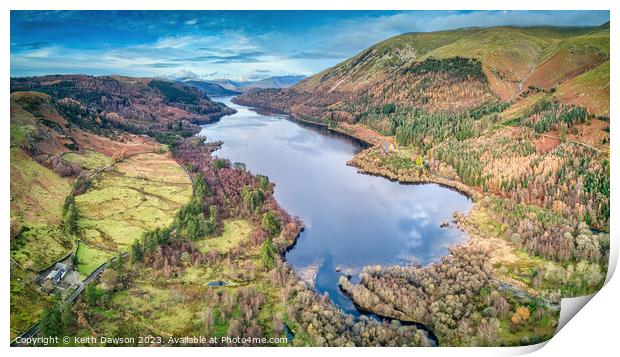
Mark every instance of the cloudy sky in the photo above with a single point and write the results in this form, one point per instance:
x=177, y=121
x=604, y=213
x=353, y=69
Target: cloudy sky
x=232, y=44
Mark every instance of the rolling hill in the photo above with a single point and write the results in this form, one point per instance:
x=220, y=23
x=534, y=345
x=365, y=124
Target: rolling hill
x=211, y=89
x=57, y=145
x=272, y=82
x=511, y=60
x=226, y=87
x=137, y=104
x=80, y=144
x=269, y=82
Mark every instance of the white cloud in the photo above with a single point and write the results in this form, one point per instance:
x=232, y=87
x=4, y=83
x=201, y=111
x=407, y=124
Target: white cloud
x=177, y=41
x=351, y=36
x=236, y=54
x=415, y=241
x=420, y=215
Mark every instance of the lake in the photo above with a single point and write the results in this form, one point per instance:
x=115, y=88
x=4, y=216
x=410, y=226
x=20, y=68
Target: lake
x=351, y=219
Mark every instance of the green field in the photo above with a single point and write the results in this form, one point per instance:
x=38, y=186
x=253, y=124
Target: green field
x=235, y=231
x=141, y=193
x=89, y=160
x=178, y=305
x=90, y=258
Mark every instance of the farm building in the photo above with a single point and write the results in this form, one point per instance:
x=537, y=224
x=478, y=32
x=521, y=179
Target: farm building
x=58, y=272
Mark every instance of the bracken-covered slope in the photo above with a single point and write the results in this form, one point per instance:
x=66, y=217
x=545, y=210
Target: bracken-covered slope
x=144, y=104
x=56, y=146
x=427, y=71
x=515, y=117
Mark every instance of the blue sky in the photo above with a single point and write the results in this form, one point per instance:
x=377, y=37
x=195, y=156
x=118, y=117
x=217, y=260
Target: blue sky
x=239, y=45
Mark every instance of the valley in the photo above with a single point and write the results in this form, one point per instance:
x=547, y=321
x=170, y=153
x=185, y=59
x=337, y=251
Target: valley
x=437, y=188
x=63, y=150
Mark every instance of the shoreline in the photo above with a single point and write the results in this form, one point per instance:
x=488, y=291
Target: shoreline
x=443, y=182
x=365, y=145
x=371, y=314
x=293, y=117
x=431, y=337
x=447, y=183
x=497, y=247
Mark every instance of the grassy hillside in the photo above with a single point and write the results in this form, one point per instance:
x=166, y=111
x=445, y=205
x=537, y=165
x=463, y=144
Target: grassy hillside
x=235, y=231
x=138, y=194
x=570, y=58
x=512, y=60
x=53, y=155
x=376, y=61
x=137, y=105
x=508, y=55
x=89, y=160
x=589, y=89
x=90, y=258
x=37, y=198
x=37, y=192
x=37, y=238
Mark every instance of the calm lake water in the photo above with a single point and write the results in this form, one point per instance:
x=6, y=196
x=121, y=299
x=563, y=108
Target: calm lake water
x=351, y=219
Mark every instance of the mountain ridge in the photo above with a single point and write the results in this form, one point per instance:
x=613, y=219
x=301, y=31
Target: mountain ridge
x=217, y=86
x=211, y=89
x=512, y=58
x=135, y=103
